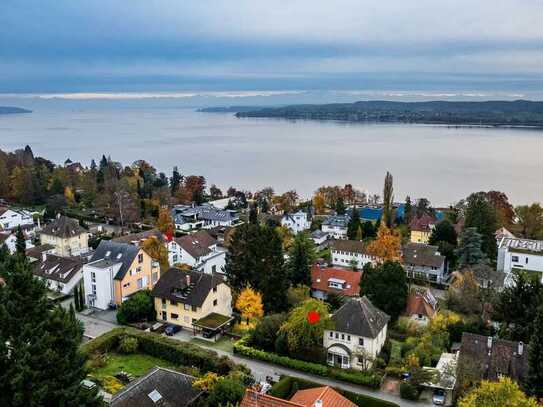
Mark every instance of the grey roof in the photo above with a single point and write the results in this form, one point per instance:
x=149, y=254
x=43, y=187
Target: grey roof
x=173, y=285
x=351, y=246
x=63, y=227
x=358, y=316
x=160, y=387
x=138, y=237
x=317, y=234
x=203, y=212
x=36, y=251
x=420, y=254
x=336, y=220
x=522, y=245
x=57, y=268
x=108, y=253
x=198, y=244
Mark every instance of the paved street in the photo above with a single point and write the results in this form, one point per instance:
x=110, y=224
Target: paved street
x=95, y=327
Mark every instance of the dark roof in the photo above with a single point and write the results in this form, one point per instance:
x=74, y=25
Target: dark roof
x=114, y=253
x=174, y=286
x=420, y=254
x=358, y=316
x=352, y=246
x=337, y=220
x=57, y=268
x=37, y=251
x=493, y=357
x=138, y=237
x=197, y=244
x=168, y=388
x=423, y=224
x=63, y=227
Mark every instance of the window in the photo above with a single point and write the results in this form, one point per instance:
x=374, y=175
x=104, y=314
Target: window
x=175, y=258
x=194, y=308
x=342, y=337
x=331, y=334
x=214, y=268
x=154, y=277
x=214, y=303
x=93, y=288
x=361, y=341
x=140, y=258
x=337, y=335
x=140, y=283
x=214, y=289
x=174, y=316
x=526, y=260
x=349, y=338
x=126, y=285
x=93, y=276
x=187, y=307
x=163, y=303
x=514, y=258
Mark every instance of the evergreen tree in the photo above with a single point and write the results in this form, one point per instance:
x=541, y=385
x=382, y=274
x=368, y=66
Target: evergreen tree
x=443, y=232
x=20, y=244
x=388, y=199
x=253, y=216
x=175, y=181
x=481, y=214
x=241, y=257
x=534, y=382
x=301, y=257
x=354, y=224
x=469, y=250
x=408, y=210
x=76, y=299
x=40, y=360
x=82, y=298
x=369, y=231
x=340, y=206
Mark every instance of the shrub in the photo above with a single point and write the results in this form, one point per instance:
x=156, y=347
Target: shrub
x=408, y=391
x=395, y=353
x=111, y=384
x=128, y=345
x=97, y=360
x=227, y=391
x=395, y=371
x=139, y=307
x=265, y=333
x=369, y=379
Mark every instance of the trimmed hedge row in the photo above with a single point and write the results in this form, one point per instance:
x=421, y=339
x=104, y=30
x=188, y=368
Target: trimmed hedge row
x=372, y=380
x=288, y=385
x=176, y=352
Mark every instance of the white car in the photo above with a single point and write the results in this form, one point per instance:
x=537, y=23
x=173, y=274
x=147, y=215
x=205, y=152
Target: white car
x=439, y=397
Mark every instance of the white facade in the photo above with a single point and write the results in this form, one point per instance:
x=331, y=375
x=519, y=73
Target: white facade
x=519, y=255
x=347, y=259
x=11, y=243
x=342, y=348
x=212, y=263
x=98, y=281
x=335, y=231
x=64, y=288
x=296, y=222
x=11, y=219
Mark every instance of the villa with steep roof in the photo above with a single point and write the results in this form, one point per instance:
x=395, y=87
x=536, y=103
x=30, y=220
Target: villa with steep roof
x=199, y=250
x=13, y=218
x=516, y=254
x=296, y=222
x=67, y=236
x=336, y=226
x=358, y=336
x=424, y=262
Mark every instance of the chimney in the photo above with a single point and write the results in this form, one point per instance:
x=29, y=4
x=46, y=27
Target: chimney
x=489, y=342
x=188, y=279
x=520, y=348
x=43, y=256
x=318, y=403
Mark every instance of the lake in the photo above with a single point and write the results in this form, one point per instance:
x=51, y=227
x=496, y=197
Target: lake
x=441, y=163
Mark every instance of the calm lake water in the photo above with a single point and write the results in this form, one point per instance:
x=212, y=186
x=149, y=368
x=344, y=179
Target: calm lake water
x=441, y=163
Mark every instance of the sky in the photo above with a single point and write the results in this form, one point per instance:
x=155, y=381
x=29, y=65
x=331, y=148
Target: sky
x=65, y=46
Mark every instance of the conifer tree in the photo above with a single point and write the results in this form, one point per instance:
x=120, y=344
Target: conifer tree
x=301, y=257
x=354, y=224
x=340, y=206
x=76, y=298
x=469, y=250
x=20, y=244
x=534, y=382
x=388, y=199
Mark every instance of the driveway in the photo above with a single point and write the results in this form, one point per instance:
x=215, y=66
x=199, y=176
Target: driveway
x=94, y=326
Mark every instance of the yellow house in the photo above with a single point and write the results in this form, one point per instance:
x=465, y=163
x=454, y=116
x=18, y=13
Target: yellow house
x=67, y=237
x=116, y=271
x=193, y=300
x=421, y=229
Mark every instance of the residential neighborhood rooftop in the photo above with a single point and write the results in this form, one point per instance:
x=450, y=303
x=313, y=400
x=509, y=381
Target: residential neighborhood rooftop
x=63, y=227
x=523, y=245
x=351, y=246
x=321, y=277
x=358, y=316
x=109, y=252
x=420, y=254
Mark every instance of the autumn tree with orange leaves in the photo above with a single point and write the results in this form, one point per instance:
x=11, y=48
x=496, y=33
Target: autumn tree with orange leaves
x=386, y=246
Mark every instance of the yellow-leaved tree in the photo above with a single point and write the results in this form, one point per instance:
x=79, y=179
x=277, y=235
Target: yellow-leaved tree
x=164, y=222
x=386, y=245
x=249, y=304
x=504, y=392
x=154, y=248
x=69, y=195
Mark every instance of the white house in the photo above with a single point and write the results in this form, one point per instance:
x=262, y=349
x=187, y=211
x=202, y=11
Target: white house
x=13, y=218
x=336, y=226
x=187, y=217
x=201, y=251
x=320, y=239
x=296, y=222
x=10, y=241
x=346, y=253
x=358, y=336
x=424, y=262
x=516, y=254
x=61, y=274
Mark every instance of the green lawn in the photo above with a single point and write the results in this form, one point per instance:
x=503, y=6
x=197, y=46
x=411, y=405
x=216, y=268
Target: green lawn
x=136, y=364
x=224, y=344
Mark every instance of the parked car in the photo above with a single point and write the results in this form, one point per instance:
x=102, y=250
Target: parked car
x=439, y=397
x=172, y=330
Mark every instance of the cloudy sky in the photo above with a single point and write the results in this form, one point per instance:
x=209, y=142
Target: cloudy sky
x=167, y=45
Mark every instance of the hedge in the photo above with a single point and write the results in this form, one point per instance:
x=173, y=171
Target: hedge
x=171, y=350
x=287, y=386
x=372, y=380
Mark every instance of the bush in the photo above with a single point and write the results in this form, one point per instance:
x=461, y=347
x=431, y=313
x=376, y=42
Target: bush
x=111, y=384
x=408, y=391
x=288, y=385
x=227, y=391
x=139, y=307
x=128, y=345
x=369, y=379
x=265, y=332
x=394, y=371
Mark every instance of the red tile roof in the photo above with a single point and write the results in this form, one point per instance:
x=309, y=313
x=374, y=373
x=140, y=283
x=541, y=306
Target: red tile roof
x=253, y=398
x=328, y=396
x=417, y=304
x=321, y=275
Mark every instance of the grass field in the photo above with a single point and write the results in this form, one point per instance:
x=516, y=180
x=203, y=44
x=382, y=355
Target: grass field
x=136, y=364
x=224, y=344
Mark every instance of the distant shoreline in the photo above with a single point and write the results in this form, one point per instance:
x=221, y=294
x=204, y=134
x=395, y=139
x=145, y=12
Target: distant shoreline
x=13, y=110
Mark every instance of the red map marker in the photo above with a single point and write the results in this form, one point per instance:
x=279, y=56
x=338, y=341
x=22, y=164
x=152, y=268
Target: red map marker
x=313, y=317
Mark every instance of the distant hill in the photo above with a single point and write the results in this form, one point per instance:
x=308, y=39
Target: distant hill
x=490, y=113
x=229, y=109
x=13, y=110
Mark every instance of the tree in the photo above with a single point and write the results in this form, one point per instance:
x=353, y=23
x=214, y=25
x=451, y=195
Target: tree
x=20, y=243
x=265, y=333
x=175, y=181
x=215, y=192
x=164, y=222
x=480, y=214
x=302, y=335
x=253, y=216
x=388, y=199
x=368, y=230
x=423, y=207
x=241, y=259
x=156, y=249
x=40, y=360
x=301, y=257
x=226, y=392
x=193, y=189
x=529, y=221
x=354, y=226
x=534, y=381
x=69, y=195
x=386, y=287
x=504, y=210
x=443, y=232
x=249, y=304
x=408, y=210
x=297, y=295
x=386, y=247
x=77, y=304
x=318, y=203
x=469, y=250
x=504, y=392
x=340, y=206
x=139, y=307
x=464, y=295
